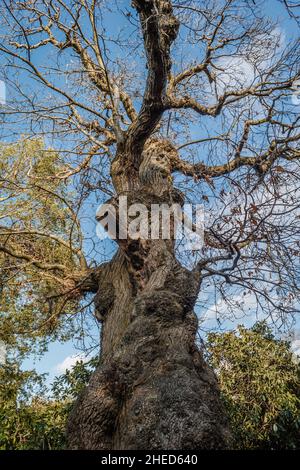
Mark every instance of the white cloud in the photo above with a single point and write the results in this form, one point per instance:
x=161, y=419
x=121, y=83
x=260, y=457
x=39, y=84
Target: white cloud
x=295, y=346
x=69, y=362
x=246, y=68
x=296, y=93
x=234, y=73
x=2, y=93
x=241, y=303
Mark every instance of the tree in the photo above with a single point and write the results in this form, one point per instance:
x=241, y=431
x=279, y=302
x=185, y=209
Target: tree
x=215, y=125
x=27, y=421
x=39, y=233
x=259, y=380
x=33, y=416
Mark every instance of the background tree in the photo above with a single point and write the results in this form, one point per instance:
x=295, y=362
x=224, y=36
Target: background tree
x=33, y=416
x=40, y=233
x=217, y=125
x=259, y=380
x=27, y=421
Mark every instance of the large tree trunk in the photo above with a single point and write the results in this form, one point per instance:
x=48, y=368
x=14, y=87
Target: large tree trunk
x=153, y=389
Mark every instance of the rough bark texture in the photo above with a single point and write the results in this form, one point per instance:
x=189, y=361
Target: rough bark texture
x=153, y=389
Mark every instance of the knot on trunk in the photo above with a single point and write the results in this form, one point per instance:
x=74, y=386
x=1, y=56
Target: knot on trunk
x=104, y=299
x=160, y=303
x=156, y=167
x=169, y=24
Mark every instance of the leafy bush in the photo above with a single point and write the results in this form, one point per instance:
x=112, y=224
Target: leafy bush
x=258, y=375
x=260, y=383
x=28, y=421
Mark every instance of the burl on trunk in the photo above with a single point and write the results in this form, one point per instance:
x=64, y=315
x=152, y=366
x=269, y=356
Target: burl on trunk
x=153, y=389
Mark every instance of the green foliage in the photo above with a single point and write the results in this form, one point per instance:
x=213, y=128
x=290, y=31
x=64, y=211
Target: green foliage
x=41, y=264
x=260, y=383
x=69, y=385
x=28, y=421
x=40, y=247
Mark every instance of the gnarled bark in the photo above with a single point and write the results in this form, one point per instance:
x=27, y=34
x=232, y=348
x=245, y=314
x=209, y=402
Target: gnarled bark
x=153, y=389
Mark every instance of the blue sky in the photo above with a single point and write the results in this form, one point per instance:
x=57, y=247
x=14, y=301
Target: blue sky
x=62, y=355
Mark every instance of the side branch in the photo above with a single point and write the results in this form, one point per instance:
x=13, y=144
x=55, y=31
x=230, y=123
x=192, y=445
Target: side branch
x=33, y=261
x=261, y=163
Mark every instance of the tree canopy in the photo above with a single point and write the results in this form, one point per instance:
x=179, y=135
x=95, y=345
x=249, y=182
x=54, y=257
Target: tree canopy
x=226, y=106
x=41, y=254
